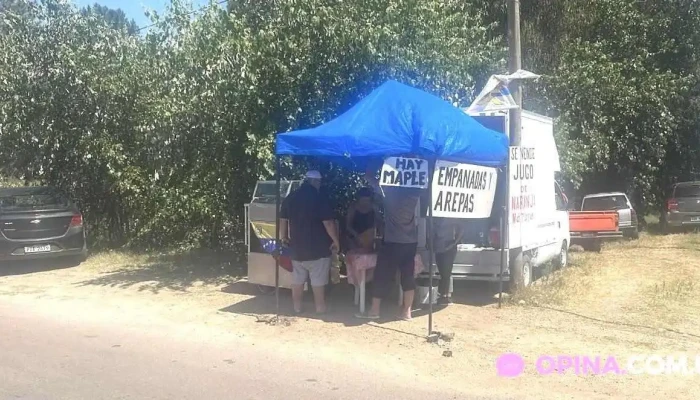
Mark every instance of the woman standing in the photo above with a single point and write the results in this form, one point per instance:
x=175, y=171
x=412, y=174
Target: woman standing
x=361, y=221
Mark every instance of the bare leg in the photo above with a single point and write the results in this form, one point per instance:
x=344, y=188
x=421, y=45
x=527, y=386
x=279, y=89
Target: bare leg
x=320, y=298
x=376, y=304
x=297, y=296
x=407, y=304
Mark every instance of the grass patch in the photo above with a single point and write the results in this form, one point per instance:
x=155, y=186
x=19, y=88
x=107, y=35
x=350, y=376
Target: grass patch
x=650, y=281
x=676, y=290
x=555, y=287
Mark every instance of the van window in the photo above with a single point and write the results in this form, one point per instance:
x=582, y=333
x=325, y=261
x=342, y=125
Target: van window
x=559, y=198
x=561, y=204
x=266, y=191
x=605, y=203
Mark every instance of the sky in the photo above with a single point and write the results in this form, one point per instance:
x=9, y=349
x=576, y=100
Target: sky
x=134, y=9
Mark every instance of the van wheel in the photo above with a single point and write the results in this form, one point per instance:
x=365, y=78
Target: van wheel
x=521, y=275
x=563, y=259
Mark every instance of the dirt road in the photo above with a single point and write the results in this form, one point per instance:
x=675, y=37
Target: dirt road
x=47, y=354
x=620, y=303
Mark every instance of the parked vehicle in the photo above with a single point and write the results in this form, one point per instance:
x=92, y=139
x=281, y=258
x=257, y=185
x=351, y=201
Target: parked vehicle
x=619, y=202
x=590, y=228
x=538, y=240
x=39, y=222
x=683, y=207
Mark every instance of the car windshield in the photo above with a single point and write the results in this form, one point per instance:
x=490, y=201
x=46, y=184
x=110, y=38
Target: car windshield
x=31, y=200
x=687, y=191
x=604, y=203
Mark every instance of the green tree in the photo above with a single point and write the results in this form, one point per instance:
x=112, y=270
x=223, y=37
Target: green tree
x=115, y=18
x=162, y=137
x=621, y=76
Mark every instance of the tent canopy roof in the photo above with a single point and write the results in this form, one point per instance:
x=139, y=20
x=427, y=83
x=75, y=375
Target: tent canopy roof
x=396, y=120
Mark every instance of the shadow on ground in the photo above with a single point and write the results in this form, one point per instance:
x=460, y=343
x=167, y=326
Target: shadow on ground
x=341, y=305
x=656, y=229
x=653, y=228
x=177, y=272
x=34, y=266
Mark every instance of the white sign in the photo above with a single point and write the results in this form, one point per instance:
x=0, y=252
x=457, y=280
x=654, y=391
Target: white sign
x=463, y=190
x=523, y=188
x=404, y=172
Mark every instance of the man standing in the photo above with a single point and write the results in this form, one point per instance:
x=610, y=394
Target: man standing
x=398, y=250
x=308, y=226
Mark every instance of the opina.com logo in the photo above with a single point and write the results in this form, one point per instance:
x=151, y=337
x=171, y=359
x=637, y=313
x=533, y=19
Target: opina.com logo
x=511, y=365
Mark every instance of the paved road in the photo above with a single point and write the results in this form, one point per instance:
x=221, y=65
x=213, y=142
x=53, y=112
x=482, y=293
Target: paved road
x=45, y=357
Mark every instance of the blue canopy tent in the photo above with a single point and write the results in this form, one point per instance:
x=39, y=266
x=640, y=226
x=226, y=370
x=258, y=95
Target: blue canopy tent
x=395, y=120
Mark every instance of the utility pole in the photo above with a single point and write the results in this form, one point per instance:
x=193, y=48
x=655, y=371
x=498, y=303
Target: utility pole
x=514, y=257
x=514, y=64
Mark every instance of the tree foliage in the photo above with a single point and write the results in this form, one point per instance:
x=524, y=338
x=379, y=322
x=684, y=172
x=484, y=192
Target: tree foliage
x=115, y=18
x=161, y=136
x=621, y=76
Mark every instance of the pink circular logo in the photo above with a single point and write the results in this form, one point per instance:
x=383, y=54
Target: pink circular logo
x=510, y=365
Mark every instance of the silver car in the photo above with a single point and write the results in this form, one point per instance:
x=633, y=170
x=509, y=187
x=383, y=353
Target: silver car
x=616, y=201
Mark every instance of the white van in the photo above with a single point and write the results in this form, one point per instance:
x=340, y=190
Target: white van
x=537, y=219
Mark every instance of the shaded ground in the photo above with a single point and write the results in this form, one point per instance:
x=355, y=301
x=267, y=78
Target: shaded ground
x=633, y=298
x=177, y=272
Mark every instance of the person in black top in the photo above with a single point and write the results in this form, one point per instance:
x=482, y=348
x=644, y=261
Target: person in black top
x=361, y=221
x=308, y=227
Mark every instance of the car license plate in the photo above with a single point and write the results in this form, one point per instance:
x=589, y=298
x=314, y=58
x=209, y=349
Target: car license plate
x=589, y=235
x=37, y=249
x=695, y=219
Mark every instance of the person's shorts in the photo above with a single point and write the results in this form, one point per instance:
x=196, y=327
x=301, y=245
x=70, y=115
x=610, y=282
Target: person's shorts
x=317, y=270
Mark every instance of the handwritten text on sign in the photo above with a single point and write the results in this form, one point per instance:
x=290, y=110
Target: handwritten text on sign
x=522, y=193
x=404, y=172
x=463, y=190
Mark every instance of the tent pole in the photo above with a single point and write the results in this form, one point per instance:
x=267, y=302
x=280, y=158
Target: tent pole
x=430, y=253
x=502, y=238
x=277, y=239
